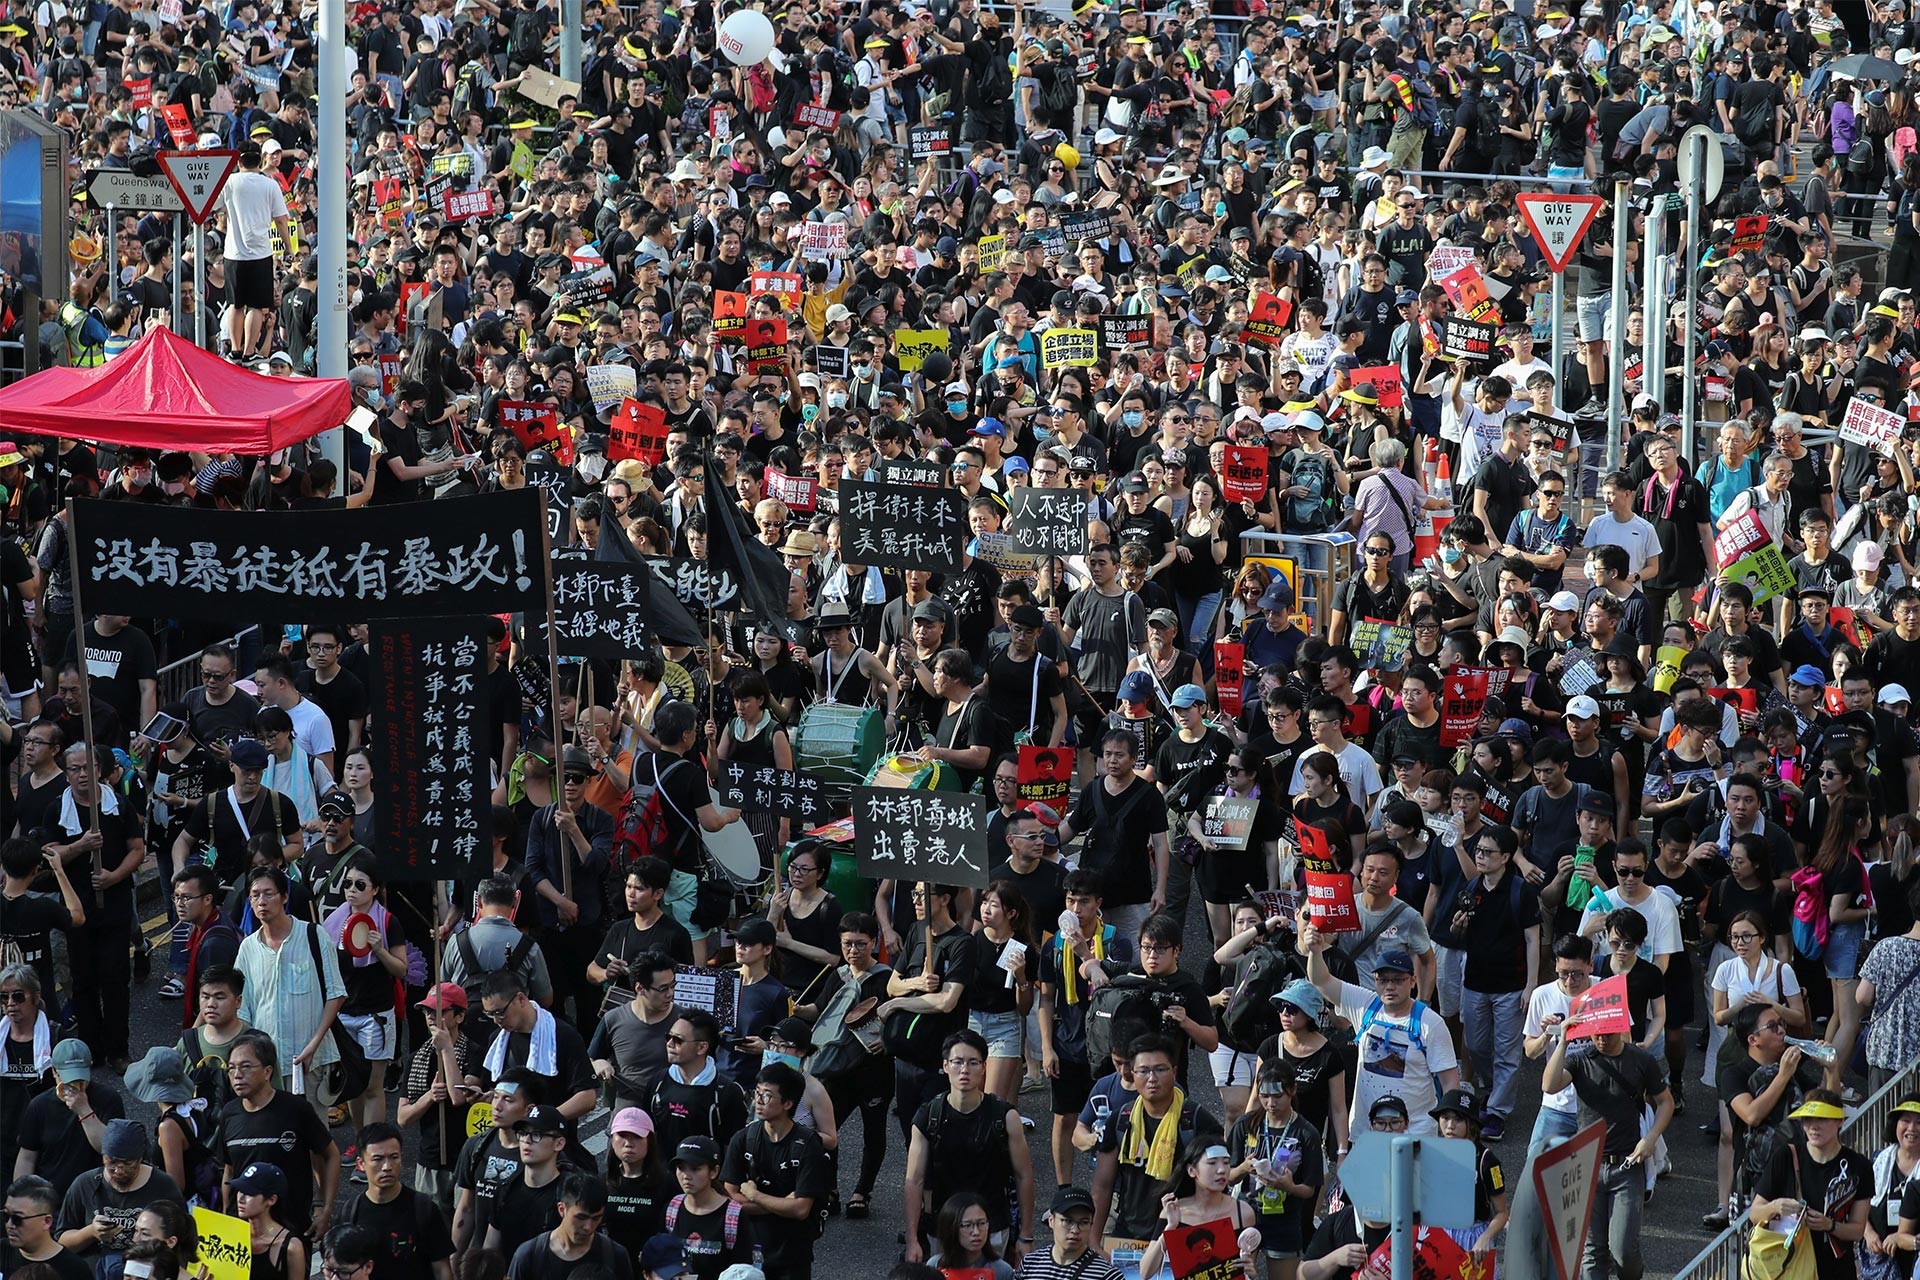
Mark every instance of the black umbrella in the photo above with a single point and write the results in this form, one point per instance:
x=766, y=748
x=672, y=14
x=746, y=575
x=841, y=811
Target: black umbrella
x=1864, y=66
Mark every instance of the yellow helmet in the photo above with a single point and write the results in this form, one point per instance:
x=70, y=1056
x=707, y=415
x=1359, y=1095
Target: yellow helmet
x=1067, y=154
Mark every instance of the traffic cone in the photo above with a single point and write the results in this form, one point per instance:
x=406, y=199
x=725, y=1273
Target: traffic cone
x=1429, y=471
x=1426, y=533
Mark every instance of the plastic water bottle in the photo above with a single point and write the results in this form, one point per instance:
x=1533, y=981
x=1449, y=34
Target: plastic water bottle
x=1822, y=1053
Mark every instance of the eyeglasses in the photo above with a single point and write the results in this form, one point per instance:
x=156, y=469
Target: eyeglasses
x=1153, y=1071
x=674, y=1039
x=358, y=884
x=665, y=988
x=1157, y=948
x=498, y=1015
x=1831, y=773
x=215, y=676
x=576, y=779
x=1553, y=493
x=241, y=1068
x=1636, y=873
x=1379, y=551
x=1772, y=1024
x=1743, y=937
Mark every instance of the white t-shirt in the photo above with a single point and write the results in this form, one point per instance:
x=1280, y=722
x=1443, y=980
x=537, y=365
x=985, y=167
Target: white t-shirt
x=311, y=728
x=1357, y=769
x=1635, y=534
x=1662, y=916
x=1548, y=1000
x=252, y=201
x=1391, y=1063
x=1775, y=981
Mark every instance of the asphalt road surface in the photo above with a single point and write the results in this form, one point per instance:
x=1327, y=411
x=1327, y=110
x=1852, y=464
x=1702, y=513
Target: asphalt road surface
x=849, y=1250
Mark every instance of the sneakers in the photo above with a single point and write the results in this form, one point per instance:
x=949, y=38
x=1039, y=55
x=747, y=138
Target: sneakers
x=174, y=988
x=1492, y=1127
x=1594, y=409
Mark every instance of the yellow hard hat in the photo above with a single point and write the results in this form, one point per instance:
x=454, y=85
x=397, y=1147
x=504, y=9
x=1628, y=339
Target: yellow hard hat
x=1067, y=154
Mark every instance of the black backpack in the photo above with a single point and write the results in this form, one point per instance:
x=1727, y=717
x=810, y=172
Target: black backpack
x=1251, y=1016
x=472, y=976
x=1129, y=1004
x=1314, y=512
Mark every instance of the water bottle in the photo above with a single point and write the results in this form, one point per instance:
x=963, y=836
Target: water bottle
x=1822, y=1053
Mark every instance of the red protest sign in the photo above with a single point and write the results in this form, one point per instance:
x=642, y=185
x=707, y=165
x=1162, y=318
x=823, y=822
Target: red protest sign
x=179, y=125
x=410, y=292
x=1206, y=1251
x=537, y=426
x=1836, y=701
x=637, y=431
x=1244, y=476
x=784, y=285
x=800, y=493
x=1230, y=674
x=1330, y=900
x=1745, y=703
x=1436, y=1256
x=387, y=198
x=1468, y=290
x=729, y=316
x=766, y=343
x=1601, y=1011
x=390, y=366
x=461, y=205
x=1462, y=703
x=1749, y=234
x=1386, y=383
x=809, y=115
x=1046, y=775
x=142, y=91
x=1315, y=852
x=1267, y=324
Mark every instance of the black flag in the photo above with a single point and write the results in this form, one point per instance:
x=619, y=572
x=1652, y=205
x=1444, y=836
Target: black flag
x=671, y=622
x=757, y=567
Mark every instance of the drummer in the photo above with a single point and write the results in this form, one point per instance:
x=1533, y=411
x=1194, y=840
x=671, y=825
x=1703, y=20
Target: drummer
x=917, y=703
x=844, y=673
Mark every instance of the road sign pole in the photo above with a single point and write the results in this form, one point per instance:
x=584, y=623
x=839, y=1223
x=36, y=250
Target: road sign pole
x=1401, y=1188
x=179, y=307
x=330, y=318
x=1559, y=337
x=1617, y=321
x=1690, y=340
x=111, y=252
x=1653, y=305
x=200, y=285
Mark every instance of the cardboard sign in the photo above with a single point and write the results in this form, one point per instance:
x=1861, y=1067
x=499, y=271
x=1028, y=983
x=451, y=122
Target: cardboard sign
x=601, y=608
x=1243, y=476
x=226, y=1244
x=1747, y=554
x=1462, y=704
x=823, y=241
x=993, y=252
x=1120, y=332
x=729, y=316
x=810, y=115
x=637, y=430
x=1330, y=900
x=715, y=990
x=179, y=125
x=911, y=347
x=800, y=493
x=925, y=472
x=925, y=141
x=1230, y=675
x=1381, y=646
x=1069, y=348
x=833, y=362
x=903, y=527
x=1749, y=234
x=1445, y=259
x=1386, y=383
x=1047, y=522
x=461, y=205
x=142, y=91
x=1869, y=424
x=766, y=343
x=938, y=836
x=1463, y=339
x=1209, y=1251
x=545, y=88
x=537, y=426
x=1046, y=776
x=1267, y=323
x=1228, y=821
x=1093, y=224
x=786, y=793
x=784, y=285
x=1602, y=1010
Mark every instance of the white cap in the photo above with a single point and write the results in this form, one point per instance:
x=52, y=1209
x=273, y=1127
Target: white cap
x=810, y=380
x=1004, y=196
x=779, y=200
x=1565, y=601
x=956, y=388
x=1583, y=708
x=1894, y=693
x=1645, y=401
x=1106, y=137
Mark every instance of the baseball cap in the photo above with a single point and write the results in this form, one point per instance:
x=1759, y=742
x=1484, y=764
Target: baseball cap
x=664, y=1256
x=446, y=995
x=336, y=801
x=72, y=1062
x=260, y=1179
x=632, y=1120
x=542, y=1120
x=1867, y=556
x=1136, y=686
x=1278, y=595
x=1565, y=601
x=124, y=1140
x=1597, y=801
x=1388, y=1104
x=697, y=1150
x=1809, y=675
x=1894, y=693
x=1071, y=1200
x=248, y=754
x=1189, y=695
x=1583, y=708
x=1028, y=615
x=1395, y=961
x=1516, y=729
x=1163, y=618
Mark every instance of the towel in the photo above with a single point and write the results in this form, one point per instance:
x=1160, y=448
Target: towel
x=42, y=1043
x=1158, y=1155
x=540, y=1056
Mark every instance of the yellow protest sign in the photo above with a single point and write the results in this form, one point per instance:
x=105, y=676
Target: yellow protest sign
x=523, y=161
x=993, y=251
x=479, y=1118
x=226, y=1245
x=1666, y=667
x=1063, y=348
x=913, y=346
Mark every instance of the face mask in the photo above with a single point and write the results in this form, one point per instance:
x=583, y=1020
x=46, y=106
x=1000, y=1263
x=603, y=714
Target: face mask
x=1133, y=418
x=784, y=395
x=836, y=399
x=771, y=1056
x=138, y=479
x=864, y=373
x=173, y=490
x=956, y=406
x=592, y=467
x=1043, y=434
x=1451, y=554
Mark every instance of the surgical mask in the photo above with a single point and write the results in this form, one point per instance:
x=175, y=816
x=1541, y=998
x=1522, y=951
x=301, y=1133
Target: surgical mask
x=139, y=478
x=173, y=489
x=956, y=406
x=864, y=373
x=784, y=395
x=592, y=467
x=1133, y=418
x=1043, y=434
x=836, y=399
x=772, y=1056
x=1451, y=554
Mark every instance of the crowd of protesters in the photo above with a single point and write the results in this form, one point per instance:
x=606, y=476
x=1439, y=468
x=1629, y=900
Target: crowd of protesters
x=1701, y=789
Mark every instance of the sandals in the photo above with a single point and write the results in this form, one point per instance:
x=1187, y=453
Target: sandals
x=857, y=1206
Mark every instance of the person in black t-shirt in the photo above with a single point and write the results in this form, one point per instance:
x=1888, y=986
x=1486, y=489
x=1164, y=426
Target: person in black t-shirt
x=966, y=1140
x=649, y=928
x=779, y=1172
x=527, y=1203
x=1826, y=1185
x=265, y=1125
x=577, y=1240
x=965, y=736
x=411, y=1238
x=31, y=1208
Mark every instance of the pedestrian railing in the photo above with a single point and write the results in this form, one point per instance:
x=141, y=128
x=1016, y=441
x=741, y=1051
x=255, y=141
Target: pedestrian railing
x=1721, y=1260
x=177, y=679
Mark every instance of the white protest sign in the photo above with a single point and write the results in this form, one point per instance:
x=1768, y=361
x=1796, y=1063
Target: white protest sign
x=1871, y=425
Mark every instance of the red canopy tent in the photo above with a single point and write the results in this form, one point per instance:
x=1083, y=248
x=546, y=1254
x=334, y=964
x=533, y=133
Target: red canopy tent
x=165, y=393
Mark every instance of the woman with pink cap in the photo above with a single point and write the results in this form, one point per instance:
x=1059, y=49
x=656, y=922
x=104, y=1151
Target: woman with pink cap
x=638, y=1183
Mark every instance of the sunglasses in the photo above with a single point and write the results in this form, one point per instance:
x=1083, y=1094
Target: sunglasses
x=1636, y=873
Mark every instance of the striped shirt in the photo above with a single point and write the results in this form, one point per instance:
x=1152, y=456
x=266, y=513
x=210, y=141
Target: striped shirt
x=282, y=997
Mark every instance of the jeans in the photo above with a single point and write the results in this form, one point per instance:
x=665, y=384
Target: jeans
x=1492, y=1023
x=1613, y=1238
x=1551, y=1127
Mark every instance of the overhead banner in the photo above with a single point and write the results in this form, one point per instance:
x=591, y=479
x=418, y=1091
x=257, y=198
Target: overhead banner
x=937, y=836
x=903, y=526
x=1048, y=522
x=429, y=704
x=453, y=556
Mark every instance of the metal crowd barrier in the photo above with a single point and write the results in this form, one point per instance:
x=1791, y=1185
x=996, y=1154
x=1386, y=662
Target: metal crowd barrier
x=176, y=679
x=1321, y=562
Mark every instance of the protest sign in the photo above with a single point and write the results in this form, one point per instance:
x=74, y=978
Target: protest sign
x=1229, y=674
x=1745, y=704
x=711, y=989
x=924, y=141
x=1445, y=259
x=179, y=123
x=429, y=702
x=537, y=426
x=1436, y=1256
x=903, y=526
x=1869, y=424
x=1747, y=554
x=823, y=241
x=390, y=366
x=1244, y=475
x=1046, y=776
x=729, y=316
x=637, y=430
x=798, y=492
x=766, y=342
x=925, y=472
x=587, y=287
x=786, y=793
x=937, y=836
x=1048, y=522
x=698, y=584
x=1267, y=322
x=609, y=384
x=555, y=484
x=473, y=555
x=1209, y=1251
x=999, y=550
x=1315, y=852
x=911, y=347
x=599, y=607
x=1462, y=704
x=1666, y=667
x=461, y=205
x=993, y=251
x=411, y=292
x=832, y=362
x=1069, y=348
x=787, y=286
x=1330, y=899
x=226, y=1244
x=543, y=87
x=810, y=116
x=1381, y=646
x=1119, y=332
x=1600, y=1010
x=1053, y=242
x=1468, y=291
x=1386, y=383
x=1749, y=234
x=1228, y=821
x=1463, y=339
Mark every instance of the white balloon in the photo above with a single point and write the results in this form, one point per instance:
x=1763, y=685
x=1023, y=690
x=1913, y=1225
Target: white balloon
x=746, y=37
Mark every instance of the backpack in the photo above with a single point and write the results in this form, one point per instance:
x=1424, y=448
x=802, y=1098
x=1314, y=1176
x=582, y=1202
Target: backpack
x=992, y=1168
x=1488, y=139
x=643, y=828
x=1059, y=94
x=1129, y=999
x=1414, y=1019
x=730, y=1232
x=1809, y=914
x=1250, y=1016
x=1754, y=126
x=1314, y=512
x=473, y=977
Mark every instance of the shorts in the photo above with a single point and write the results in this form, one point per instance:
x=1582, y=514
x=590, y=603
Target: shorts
x=250, y=283
x=1005, y=1033
x=1592, y=314
x=1450, y=977
x=1283, y=1235
x=682, y=890
x=1842, y=956
x=373, y=1032
x=1231, y=1067
x=1072, y=1087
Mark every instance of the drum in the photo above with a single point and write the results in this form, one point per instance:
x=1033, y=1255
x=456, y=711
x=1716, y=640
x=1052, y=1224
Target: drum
x=733, y=850
x=911, y=773
x=837, y=743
